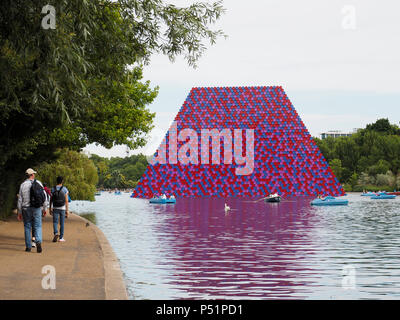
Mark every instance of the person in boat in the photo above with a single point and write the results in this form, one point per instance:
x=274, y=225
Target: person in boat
x=321, y=197
x=164, y=196
x=172, y=197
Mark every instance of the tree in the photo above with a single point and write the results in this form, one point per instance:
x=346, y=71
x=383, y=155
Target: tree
x=120, y=172
x=380, y=168
x=366, y=154
x=365, y=180
x=79, y=173
x=353, y=180
x=336, y=166
x=348, y=151
x=81, y=82
x=387, y=179
x=383, y=126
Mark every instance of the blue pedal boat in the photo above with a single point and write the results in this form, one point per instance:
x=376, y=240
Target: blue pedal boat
x=368, y=194
x=330, y=201
x=158, y=200
x=162, y=201
x=383, y=196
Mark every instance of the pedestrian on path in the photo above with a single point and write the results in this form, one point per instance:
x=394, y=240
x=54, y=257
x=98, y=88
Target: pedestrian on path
x=32, y=205
x=33, y=229
x=59, y=208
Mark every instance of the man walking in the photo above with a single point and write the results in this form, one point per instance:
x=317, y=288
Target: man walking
x=59, y=202
x=32, y=205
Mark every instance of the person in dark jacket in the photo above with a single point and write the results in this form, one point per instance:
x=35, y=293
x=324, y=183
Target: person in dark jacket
x=59, y=208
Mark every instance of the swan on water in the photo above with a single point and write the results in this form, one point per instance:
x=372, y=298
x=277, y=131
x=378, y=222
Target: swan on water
x=227, y=208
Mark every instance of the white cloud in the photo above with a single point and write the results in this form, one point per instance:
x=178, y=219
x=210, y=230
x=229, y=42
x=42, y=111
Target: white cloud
x=162, y=122
x=300, y=45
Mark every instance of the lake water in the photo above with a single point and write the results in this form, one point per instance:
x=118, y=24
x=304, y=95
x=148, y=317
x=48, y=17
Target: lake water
x=194, y=250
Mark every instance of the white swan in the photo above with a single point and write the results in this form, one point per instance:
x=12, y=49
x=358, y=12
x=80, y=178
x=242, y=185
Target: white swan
x=227, y=208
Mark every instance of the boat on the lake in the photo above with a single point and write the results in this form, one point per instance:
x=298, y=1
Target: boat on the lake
x=158, y=200
x=97, y=194
x=273, y=198
x=329, y=201
x=368, y=194
x=383, y=196
x=163, y=200
x=117, y=193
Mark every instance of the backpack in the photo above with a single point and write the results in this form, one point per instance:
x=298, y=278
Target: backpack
x=37, y=196
x=58, y=197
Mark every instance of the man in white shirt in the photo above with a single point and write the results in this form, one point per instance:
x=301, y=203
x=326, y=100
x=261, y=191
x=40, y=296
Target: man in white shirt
x=32, y=205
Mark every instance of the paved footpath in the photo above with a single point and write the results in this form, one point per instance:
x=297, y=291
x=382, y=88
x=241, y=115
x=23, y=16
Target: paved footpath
x=85, y=265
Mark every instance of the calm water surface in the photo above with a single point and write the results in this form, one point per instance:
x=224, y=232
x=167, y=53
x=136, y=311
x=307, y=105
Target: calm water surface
x=193, y=250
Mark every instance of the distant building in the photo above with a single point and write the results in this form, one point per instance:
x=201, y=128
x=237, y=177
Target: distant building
x=337, y=134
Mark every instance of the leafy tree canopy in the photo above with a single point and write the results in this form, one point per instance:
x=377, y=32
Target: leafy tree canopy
x=82, y=82
x=120, y=172
x=370, y=156
x=79, y=173
x=383, y=126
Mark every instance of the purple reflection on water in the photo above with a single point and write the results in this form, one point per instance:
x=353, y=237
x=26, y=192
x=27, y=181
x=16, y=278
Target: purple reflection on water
x=254, y=250
x=258, y=250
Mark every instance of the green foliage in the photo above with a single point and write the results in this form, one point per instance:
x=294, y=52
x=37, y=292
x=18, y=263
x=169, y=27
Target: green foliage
x=371, y=188
x=11, y=181
x=387, y=179
x=383, y=126
x=118, y=172
x=79, y=173
x=370, y=157
x=348, y=188
x=365, y=179
x=353, y=180
x=336, y=166
x=91, y=216
x=380, y=168
x=82, y=82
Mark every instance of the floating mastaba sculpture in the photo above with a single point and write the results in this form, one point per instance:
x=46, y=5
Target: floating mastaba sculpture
x=234, y=142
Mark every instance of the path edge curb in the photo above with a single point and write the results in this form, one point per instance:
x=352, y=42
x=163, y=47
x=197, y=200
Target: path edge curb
x=115, y=288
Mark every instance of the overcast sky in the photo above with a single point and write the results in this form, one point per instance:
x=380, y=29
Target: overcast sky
x=338, y=61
